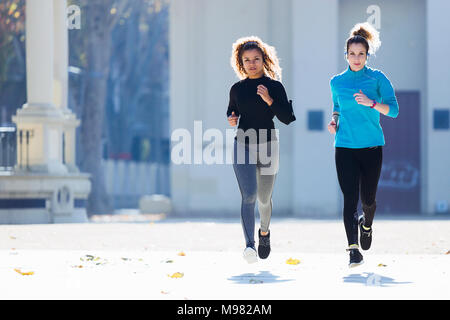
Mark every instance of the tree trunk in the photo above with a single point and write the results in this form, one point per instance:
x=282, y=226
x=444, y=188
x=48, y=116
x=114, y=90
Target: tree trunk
x=98, y=57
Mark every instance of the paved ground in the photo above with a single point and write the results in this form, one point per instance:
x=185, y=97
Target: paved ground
x=409, y=259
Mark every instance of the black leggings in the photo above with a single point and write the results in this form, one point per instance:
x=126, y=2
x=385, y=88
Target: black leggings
x=358, y=171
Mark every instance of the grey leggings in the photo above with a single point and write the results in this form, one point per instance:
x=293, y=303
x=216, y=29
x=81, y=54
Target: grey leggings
x=256, y=178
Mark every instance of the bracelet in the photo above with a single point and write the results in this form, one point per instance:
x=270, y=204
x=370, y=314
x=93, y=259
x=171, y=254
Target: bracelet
x=374, y=104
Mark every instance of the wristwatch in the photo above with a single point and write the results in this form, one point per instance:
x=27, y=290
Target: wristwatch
x=374, y=104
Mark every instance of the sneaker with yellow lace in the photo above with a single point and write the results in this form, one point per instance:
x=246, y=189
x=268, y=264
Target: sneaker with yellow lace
x=365, y=235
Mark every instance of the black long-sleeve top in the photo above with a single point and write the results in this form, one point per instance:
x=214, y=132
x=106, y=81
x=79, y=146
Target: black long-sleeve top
x=254, y=112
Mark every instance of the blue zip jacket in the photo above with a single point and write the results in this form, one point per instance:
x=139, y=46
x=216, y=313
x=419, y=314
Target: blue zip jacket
x=359, y=125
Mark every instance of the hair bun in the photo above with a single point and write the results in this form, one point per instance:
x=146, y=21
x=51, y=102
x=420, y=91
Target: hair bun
x=362, y=33
x=368, y=32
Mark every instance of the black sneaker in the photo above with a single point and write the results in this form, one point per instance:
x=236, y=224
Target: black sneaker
x=264, y=245
x=356, y=258
x=365, y=237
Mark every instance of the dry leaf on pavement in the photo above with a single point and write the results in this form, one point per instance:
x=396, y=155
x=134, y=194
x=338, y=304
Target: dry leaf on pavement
x=29, y=273
x=176, y=275
x=292, y=261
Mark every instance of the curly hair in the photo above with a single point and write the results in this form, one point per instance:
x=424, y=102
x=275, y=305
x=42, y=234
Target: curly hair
x=270, y=60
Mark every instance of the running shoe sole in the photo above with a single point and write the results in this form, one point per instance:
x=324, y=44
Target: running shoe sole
x=355, y=264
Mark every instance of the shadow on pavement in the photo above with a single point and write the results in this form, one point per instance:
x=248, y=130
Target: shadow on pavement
x=372, y=279
x=261, y=277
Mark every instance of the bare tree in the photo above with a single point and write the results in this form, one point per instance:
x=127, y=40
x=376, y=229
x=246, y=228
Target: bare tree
x=12, y=57
x=99, y=17
x=136, y=27
x=139, y=74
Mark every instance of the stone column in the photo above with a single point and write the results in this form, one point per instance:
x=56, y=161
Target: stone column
x=40, y=54
x=41, y=149
x=61, y=54
x=42, y=188
x=61, y=82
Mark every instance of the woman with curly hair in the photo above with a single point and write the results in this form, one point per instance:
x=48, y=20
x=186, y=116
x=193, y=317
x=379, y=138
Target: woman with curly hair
x=360, y=94
x=254, y=101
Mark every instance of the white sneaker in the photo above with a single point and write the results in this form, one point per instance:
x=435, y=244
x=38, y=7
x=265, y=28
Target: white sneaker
x=250, y=255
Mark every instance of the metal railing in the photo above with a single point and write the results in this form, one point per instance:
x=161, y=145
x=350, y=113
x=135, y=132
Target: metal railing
x=24, y=138
x=11, y=142
x=8, y=144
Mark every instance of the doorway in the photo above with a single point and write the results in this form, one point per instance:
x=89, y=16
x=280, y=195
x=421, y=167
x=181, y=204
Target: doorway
x=399, y=188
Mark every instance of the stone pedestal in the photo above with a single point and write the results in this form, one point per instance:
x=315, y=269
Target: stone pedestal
x=27, y=198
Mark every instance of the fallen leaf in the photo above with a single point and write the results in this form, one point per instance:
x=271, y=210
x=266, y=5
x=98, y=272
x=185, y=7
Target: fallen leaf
x=79, y=266
x=164, y=292
x=382, y=265
x=176, y=275
x=24, y=273
x=448, y=252
x=168, y=261
x=182, y=254
x=292, y=261
x=97, y=260
x=12, y=237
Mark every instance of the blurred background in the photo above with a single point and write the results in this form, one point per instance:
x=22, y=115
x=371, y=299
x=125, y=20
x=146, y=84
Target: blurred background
x=91, y=91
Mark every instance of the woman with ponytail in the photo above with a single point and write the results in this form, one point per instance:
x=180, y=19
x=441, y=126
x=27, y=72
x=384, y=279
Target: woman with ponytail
x=360, y=94
x=254, y=101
